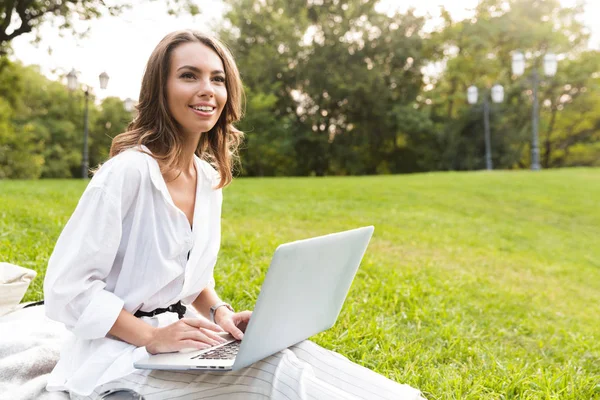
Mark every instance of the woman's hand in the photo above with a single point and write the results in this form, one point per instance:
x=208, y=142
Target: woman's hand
x=187, y=333
x=234, y=323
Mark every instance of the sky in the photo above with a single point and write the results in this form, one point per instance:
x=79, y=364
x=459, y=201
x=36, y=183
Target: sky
x=121, y=45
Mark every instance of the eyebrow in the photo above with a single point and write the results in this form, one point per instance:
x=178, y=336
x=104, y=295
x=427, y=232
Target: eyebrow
x=195, y=69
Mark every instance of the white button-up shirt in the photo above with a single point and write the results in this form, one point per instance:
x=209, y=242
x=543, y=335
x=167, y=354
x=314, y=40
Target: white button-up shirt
x=126, y=246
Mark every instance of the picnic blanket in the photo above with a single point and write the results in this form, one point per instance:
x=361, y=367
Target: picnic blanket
x=29, y=348
x=30, y=345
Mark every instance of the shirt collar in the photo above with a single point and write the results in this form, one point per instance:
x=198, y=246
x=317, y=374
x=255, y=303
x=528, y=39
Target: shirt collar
x=159, y=182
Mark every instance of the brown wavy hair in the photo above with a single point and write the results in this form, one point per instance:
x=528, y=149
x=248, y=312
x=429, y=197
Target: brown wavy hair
x=155, y=127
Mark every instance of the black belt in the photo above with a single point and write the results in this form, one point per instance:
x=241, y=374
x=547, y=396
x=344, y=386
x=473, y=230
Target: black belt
x=177, y=307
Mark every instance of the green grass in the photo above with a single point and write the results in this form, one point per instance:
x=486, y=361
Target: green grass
x=475, y=285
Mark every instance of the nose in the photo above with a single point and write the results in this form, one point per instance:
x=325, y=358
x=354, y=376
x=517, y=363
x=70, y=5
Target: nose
x=206, y=88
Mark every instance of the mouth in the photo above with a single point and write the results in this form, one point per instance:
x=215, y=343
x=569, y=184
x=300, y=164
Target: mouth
x=205, y=111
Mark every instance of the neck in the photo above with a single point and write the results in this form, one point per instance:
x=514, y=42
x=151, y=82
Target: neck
x=190, y=144
x=185, y=165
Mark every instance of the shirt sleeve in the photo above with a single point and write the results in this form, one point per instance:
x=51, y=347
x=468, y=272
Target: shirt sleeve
x=75, y=283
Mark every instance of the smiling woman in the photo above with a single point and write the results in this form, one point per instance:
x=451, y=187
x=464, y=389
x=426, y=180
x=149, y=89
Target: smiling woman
x=132, y=271
x=185, y=71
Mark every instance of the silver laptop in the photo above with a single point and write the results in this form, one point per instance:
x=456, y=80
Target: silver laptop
x=302, y=295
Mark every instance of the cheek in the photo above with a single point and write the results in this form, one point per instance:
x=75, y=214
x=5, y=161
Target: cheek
x=178, y=92
x=223, y=98
x=171, y=97
x=178, y=97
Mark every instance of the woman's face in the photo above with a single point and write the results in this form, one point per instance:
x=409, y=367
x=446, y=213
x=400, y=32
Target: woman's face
x=196, y=92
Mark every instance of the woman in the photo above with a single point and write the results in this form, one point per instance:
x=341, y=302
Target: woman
x=143, y=241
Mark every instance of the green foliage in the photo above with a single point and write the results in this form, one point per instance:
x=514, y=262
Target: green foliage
x=111, y=120
x=11, y=84
x=24, y=16
x=570, y=130
x=267, y=145
x=335, y=87
x=30, y=14
x=478, y=51
x=350, y=97
x=18, y=144
x=56, y=116
x=294, y=50
x=474, y=286
x=16, y=159
x=42, y=134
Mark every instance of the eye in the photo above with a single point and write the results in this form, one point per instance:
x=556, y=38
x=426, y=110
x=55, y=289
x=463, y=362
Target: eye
x=187, y=75
x=219, y=79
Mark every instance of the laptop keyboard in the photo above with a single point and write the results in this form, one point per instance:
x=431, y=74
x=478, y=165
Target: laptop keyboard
x=225, y=352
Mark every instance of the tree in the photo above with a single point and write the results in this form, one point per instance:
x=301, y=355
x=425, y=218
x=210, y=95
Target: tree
x=42, y=125
x=570, y=123
x=19, y=148
x=16, y=158
x=55, y=116
x=336, y=87
x=338, y=70
x=29, y=15
x=478, y=51
x=111, y=120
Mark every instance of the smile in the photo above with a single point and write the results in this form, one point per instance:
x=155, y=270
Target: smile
x=203, y=110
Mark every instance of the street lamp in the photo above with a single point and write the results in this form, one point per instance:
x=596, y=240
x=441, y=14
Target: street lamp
x=129, y=104
x=497, y=94
x=518, y=68
x=72, y=85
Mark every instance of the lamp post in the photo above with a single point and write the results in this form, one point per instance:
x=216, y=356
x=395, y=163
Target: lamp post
x=518, y=69
x=129, y=104
x=497, y=93
x=72, y=84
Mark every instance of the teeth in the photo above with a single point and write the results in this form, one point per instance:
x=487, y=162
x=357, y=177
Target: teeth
x=204, y=108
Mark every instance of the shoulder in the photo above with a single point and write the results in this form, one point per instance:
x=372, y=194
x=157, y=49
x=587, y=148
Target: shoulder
x=211, y=174
x=131, y=161
x=133, y=158
x=123, y=172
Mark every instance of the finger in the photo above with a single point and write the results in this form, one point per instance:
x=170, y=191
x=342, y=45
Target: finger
x=242, y=319
x=202, y=323
x=213, y=335
x=243, y=316
x=230, y=327
x=200, y=337
x=193, y=344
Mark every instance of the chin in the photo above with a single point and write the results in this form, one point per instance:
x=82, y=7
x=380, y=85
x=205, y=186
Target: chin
x=207, y=128
x=203, y=128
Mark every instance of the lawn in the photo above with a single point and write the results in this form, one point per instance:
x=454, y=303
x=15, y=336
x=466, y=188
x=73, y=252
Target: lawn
x=475, y=285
